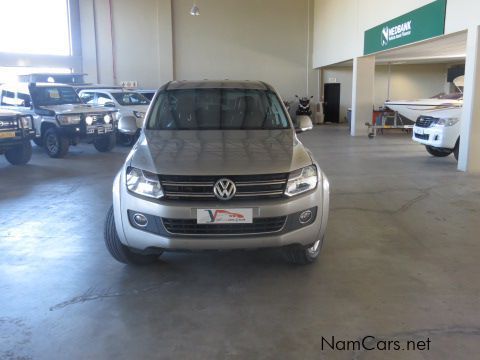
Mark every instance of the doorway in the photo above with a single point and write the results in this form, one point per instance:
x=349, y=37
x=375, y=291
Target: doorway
x=331, y=102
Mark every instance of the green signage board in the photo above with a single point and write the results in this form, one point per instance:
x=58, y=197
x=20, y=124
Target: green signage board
x=420, y=24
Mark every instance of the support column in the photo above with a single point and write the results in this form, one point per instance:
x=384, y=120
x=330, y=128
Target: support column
x=469, y=154
x=362, y=94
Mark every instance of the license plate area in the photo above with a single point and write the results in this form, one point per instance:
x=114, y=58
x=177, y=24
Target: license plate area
x=7, y=134
x=225, y=216
x=99, y=129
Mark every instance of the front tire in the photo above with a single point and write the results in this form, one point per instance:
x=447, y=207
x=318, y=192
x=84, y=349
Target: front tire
x=437, y=152
x=56, y=145
x=301, y=255
x=105, y=143
x=20, y=154
x=119, y=251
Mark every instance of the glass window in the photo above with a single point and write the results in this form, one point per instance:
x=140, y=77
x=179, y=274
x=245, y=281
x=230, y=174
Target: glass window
x=103, y=99
x=54, y=95
x=8, y=98
x=34, y=27
x=87, y=97
x=24, y=99
x=216, y=109
x=130, y=98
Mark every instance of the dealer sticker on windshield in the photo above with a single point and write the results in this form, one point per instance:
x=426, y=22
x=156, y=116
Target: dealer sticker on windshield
x=224, y=216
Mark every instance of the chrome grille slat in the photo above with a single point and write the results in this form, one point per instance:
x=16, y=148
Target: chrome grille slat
x=184, y=188
x=254, y=183
x=259, y=193
x=424, y=121
x=179, y=183
x=185, y=194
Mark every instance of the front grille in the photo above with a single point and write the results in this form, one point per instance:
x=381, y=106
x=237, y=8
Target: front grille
x=422, y=136
x=424, y=121
x=268, y=186
x=8, y=123
x=190, y=227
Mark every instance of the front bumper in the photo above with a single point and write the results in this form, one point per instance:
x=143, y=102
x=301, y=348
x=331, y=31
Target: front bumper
x=143, y=240
x=86, y=132
x=11, y=138
x=439, y=137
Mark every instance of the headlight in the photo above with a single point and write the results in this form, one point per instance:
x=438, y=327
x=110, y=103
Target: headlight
x=143, y=183
x=107, y=118
x=139, y=114
x=446, y=121
x=89, y=120
x=68, y=119
x=302, y=180
x=26, y=122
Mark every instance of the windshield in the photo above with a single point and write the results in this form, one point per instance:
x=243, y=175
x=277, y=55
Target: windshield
x=217, y=109
x=130, y=98
x=54, y=95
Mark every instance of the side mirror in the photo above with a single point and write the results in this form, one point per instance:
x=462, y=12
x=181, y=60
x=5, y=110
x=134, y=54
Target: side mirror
x=304, y=123
x=109, y=104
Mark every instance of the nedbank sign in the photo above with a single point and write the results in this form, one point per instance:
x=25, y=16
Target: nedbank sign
x=420, y=24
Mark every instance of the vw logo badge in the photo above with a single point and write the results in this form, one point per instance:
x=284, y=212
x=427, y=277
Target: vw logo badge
x=224, y=189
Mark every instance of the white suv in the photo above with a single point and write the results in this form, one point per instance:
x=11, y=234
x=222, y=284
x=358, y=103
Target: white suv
x=130, y=105
x=439, y=131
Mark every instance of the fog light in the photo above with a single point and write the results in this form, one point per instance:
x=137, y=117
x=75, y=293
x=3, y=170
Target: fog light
x=140, y=220
x=89, y=120
x=305, y=216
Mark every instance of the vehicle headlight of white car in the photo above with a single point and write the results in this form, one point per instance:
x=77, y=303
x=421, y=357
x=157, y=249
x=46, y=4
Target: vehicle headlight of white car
x=69, y=119
x=139, y=114
x=26, y=122
x=144, y=183
x=302, y=180
x=446, y=121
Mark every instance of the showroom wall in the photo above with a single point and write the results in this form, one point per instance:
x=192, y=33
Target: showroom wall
x=408, y=81
x=141, y=34
x=360, y=15
x=248, y=39
x=158, y=40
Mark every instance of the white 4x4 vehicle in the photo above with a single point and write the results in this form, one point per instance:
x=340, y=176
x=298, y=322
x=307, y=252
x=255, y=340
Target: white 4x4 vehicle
x=439, y=131
x=130, y=105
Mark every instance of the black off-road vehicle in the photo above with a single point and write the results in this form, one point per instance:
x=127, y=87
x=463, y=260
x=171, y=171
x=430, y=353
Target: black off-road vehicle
x=16, y=130
x=59, y=116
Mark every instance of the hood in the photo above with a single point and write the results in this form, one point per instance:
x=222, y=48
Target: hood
x=5, y=112
x=219, y=152
x=75, y=109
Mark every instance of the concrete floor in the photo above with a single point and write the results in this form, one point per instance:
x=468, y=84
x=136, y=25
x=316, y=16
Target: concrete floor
x=401, y=262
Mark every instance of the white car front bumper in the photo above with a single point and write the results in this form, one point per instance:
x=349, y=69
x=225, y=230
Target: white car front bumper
x=437, y=136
